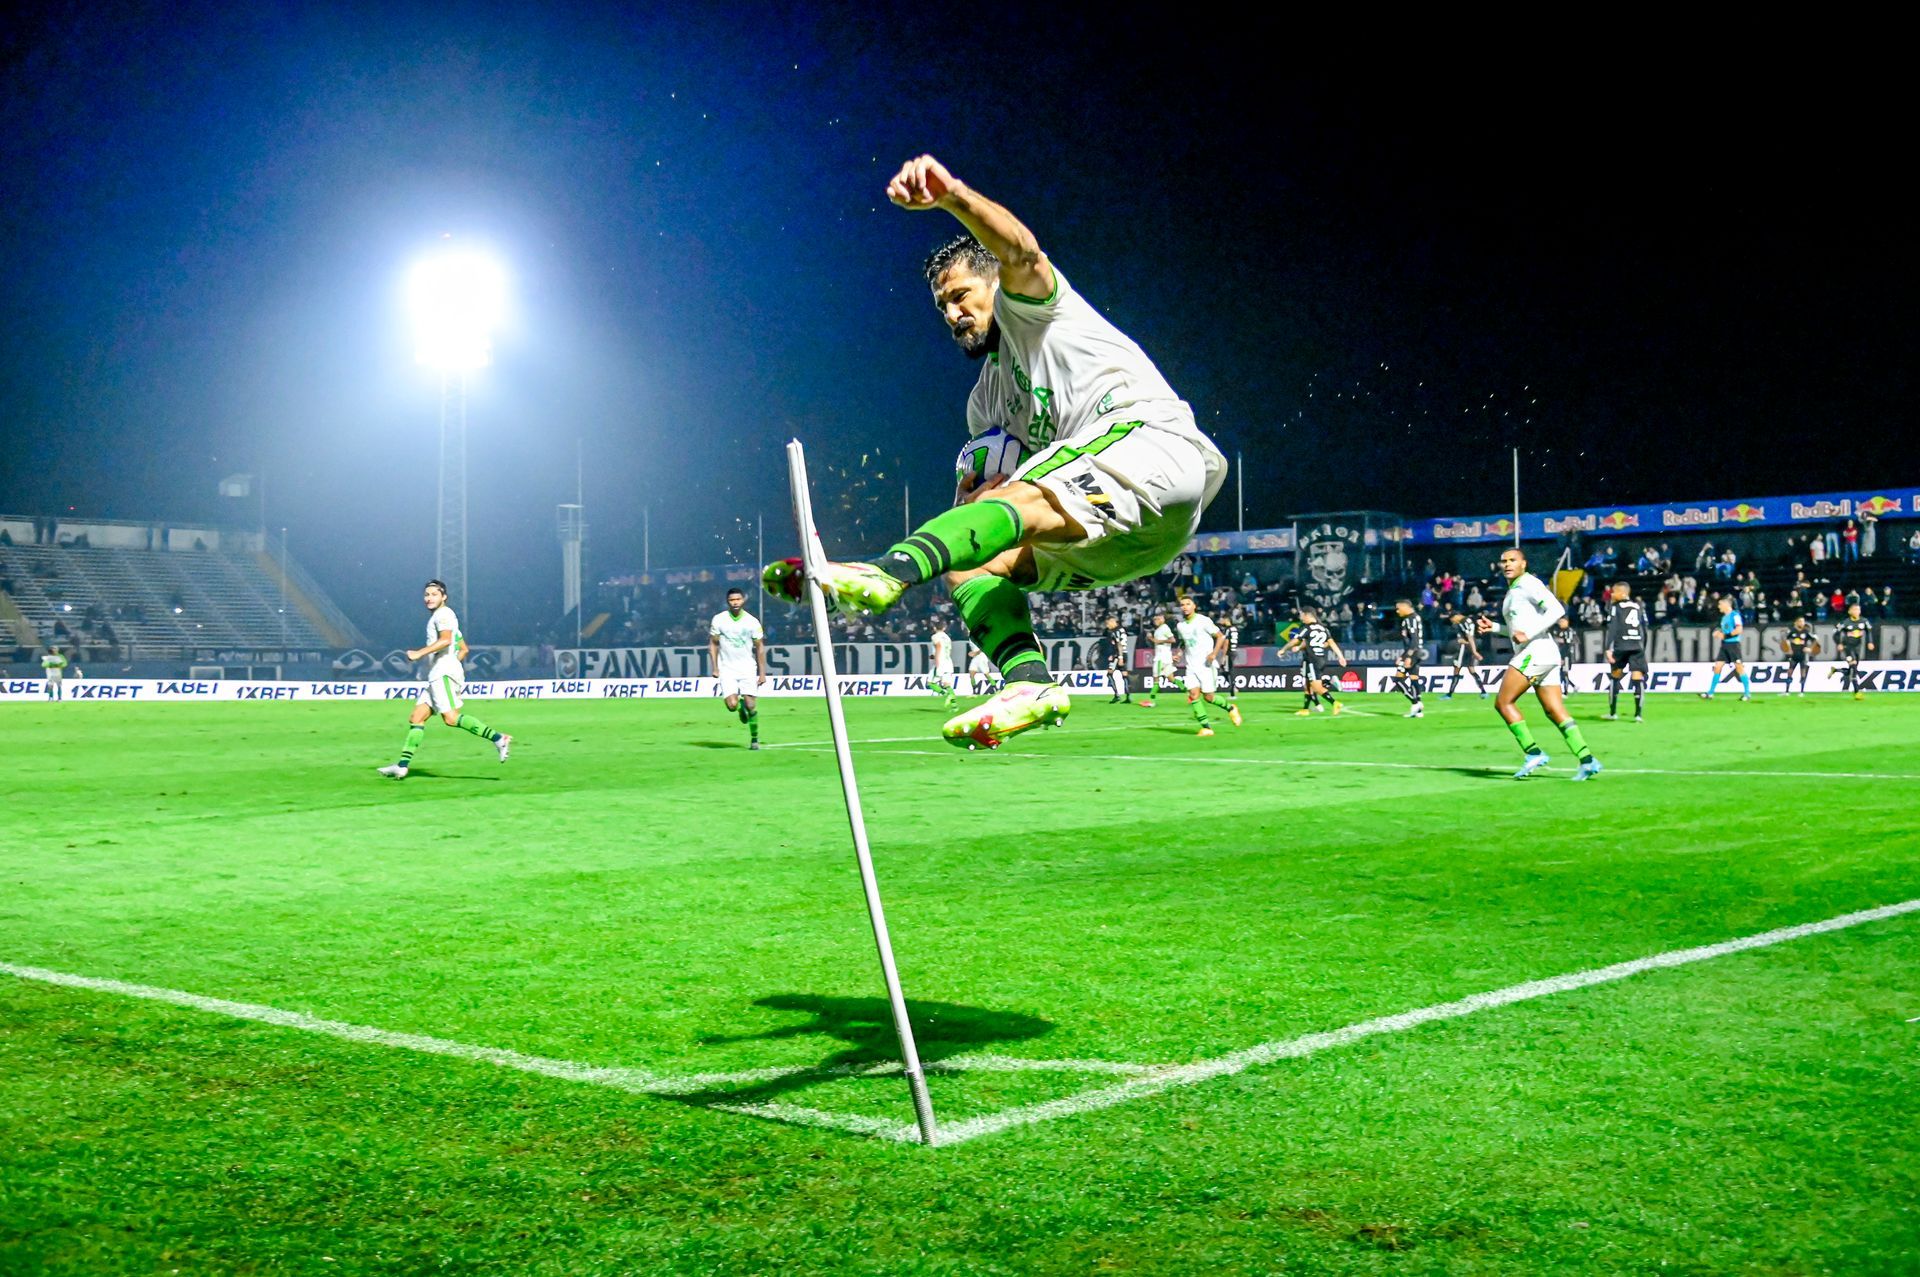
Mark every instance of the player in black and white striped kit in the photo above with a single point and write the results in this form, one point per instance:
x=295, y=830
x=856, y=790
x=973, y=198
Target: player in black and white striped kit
x=1626, y=650
x=1318, y=652
x=1413, y=643
x=1567, y=639
x=1466, y=653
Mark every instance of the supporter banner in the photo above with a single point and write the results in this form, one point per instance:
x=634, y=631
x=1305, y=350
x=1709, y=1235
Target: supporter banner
x=1771, y=676
x=1684, y=516
x=795, y=658
x=481, y=662
x=712, y=574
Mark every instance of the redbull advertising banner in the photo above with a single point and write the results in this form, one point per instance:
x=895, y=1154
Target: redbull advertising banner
x=1682, y=516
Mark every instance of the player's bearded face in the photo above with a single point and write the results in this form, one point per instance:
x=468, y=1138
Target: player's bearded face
x=965, y=299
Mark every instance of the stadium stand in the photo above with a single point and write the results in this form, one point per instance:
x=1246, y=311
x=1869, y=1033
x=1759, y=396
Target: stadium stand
x=156, y=604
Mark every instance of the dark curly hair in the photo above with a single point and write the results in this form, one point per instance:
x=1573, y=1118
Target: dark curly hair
x=962, y=247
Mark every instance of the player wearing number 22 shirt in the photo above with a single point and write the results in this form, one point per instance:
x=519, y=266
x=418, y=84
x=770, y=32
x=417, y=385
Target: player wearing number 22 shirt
x=1114, y=486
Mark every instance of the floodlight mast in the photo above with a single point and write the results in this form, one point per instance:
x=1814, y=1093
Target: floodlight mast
x=456, y=302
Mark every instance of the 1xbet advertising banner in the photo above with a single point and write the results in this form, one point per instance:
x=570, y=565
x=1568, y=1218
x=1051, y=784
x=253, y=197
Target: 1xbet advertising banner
x=1683, y=516
x=1691, y=676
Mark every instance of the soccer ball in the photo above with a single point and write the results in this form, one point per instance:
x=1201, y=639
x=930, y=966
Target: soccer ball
x=995, y=452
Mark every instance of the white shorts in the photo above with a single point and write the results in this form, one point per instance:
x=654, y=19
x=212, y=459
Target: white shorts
x=738, y=682
x=443, y=693
x=943, y=674
x=1162, y=666
x=1203, y=678
x=1537, y=660
x=1136, y=488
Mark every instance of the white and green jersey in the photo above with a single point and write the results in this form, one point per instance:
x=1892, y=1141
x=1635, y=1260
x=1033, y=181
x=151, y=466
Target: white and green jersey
x=942, y=651
x=446, y=663
x=55, y=665
x=1063, y=370
x=1529, y=607
x=1163, y=646
x=1198, y=635
x=737, y=635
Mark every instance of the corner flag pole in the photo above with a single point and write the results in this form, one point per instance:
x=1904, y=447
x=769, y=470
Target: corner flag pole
x=815, y=558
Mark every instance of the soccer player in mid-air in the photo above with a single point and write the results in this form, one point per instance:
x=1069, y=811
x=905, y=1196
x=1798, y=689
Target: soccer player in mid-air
x=1119, y=475
x=53, y=666
x=1730, y=654
x=944, y=680
x=1466, y=654
x=446, y=681
x=1162, y=638
x=1526, y=614
x=1110, y=652
x=1626, y=650
x=1206, y=647
x=1318, y=649
x=1852, y=639
x=1801, y=647
x=1413, y=653
x=737, y=655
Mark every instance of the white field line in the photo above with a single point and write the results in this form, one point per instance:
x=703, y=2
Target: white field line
x=638, y=1081
x=1294, y=1048
x=1415, y=767
x=1146, y=1080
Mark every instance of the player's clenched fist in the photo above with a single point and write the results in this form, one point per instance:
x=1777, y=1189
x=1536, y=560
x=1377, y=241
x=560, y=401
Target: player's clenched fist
x=921, y=183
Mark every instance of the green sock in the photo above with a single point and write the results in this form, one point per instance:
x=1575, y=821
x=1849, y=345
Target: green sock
x=753, y=723
x=960, y=539
x=468, y=723
x=1575, y=741
x=1523, y=735
x=1200, y=710
x=995, y=613
x=416, y=733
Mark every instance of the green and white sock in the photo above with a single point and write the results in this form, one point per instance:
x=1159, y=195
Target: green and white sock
x=416, y=732
x=957, y=540
x=998, y=621
x=468, y=723
x=1523, y=736
x=1576, y=741
x=1200, y=710
x=752, y=720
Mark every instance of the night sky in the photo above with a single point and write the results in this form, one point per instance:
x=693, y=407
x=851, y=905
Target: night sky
x=1661, y=281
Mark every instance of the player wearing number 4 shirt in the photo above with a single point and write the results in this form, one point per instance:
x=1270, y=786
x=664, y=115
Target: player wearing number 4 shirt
x=1801, y=647
x=1853, y=639
x=1527, y=613
x=737, y=652
x=1626, y=650
x=1318, y=653
x=1115, y=486
x=446, y=681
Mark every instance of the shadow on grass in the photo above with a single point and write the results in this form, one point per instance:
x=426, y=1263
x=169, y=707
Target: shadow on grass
x=941, y=1031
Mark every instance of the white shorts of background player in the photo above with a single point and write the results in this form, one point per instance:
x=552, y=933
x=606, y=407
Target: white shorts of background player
x=738, y=682
x=1537, y=661
x=1138, y=492
x=444, y=694
x=1204, y=679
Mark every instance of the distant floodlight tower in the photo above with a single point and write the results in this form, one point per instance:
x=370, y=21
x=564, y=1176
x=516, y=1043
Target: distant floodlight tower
x=457, y=299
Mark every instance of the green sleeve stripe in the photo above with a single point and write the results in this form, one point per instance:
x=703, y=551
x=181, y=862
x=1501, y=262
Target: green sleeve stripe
x=1010, y=295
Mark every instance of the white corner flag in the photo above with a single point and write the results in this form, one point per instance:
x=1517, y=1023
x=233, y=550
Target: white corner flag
x=814, y=558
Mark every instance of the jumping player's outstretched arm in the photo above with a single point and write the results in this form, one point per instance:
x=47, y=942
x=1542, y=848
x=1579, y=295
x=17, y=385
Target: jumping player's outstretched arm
x=924, y=183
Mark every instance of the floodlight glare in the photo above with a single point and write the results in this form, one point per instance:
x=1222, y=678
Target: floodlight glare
x=458, y=298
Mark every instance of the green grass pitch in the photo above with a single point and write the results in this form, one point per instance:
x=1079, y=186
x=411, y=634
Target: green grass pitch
x=637, y=893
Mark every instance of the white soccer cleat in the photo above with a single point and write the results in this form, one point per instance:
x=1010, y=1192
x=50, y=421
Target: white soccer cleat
x=1533, y=764
x=504, y=745
x=395, y=771
x=1021, y=707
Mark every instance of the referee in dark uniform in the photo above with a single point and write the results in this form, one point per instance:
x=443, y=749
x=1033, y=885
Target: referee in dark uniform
x=1110, y=650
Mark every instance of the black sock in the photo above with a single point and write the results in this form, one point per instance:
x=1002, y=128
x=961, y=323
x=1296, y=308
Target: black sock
x=1613, y=697
x=1639, y=696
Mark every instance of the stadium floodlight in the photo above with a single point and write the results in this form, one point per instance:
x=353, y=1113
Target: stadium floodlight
x=458, y=298
x=815, y=558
